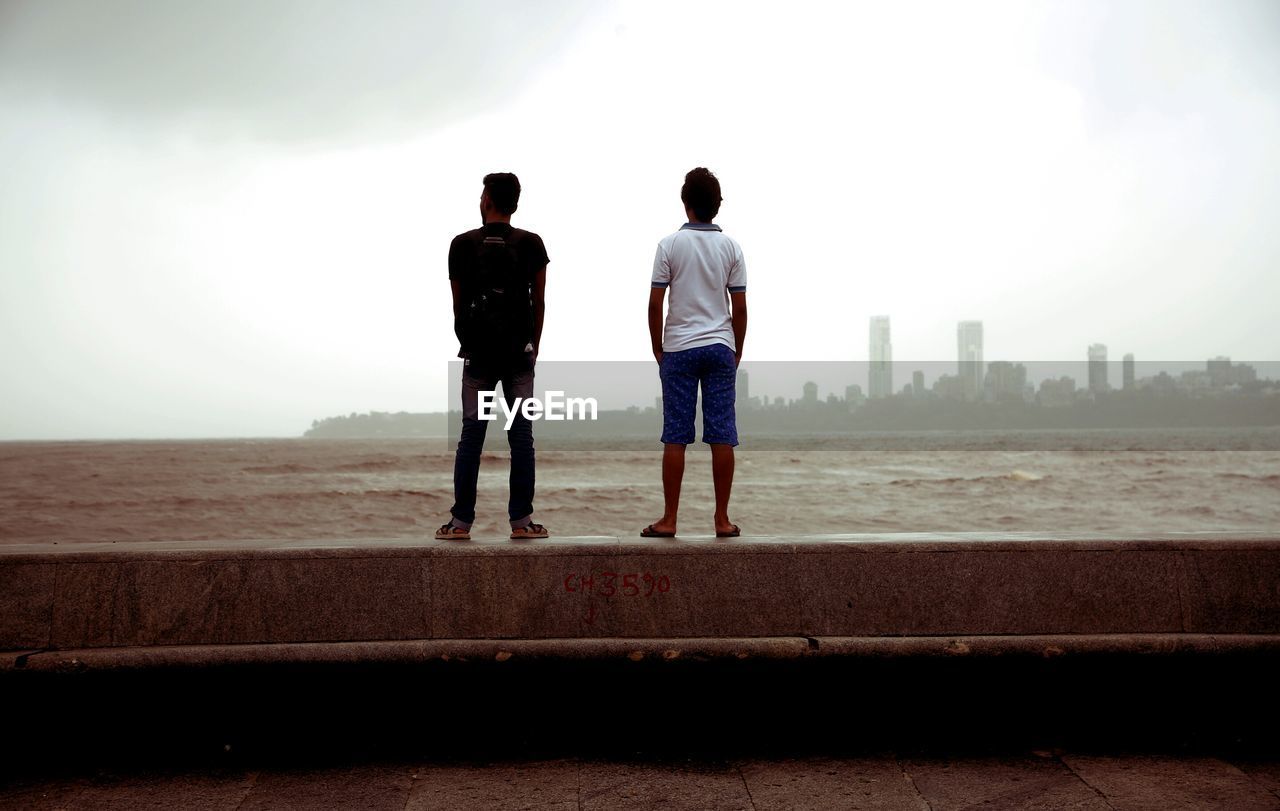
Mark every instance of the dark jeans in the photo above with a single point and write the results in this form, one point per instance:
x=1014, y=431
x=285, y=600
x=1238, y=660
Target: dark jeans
x=516, y=382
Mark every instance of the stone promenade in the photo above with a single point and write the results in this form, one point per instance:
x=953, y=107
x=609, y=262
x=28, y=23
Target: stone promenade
x=1032, y=780
x=1132, y=672
x=153, y=603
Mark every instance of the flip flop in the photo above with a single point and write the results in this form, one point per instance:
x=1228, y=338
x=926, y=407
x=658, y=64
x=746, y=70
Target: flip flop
x=650, y=532
x=733, y=533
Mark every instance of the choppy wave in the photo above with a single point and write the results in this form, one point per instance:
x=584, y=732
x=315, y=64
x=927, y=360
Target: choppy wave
x=1268, y=478
x=402, y=488
x=1012, y=476
x=280, y=469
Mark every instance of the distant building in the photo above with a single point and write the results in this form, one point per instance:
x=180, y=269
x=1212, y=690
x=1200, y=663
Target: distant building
x=810, y=393
x=1128, y=372
x=1243, y=373
x=1195, y=380
x=853, y=394
x=1098, y=368
x=969, y=368
x=880, y=375
x=949, y=387
x=1222, y=372
x=917, y=383
x=1164, y=383
x=1057, y=393
x=742, y=395
x=1219, y=370
x=1005, y=381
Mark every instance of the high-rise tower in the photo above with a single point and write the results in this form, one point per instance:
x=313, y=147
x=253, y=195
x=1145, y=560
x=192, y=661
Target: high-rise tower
x=880, y=376
x=969, y=341
x=1098, y=368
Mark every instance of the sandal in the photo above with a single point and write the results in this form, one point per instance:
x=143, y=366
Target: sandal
x=733, y=533
x=449, y=532
x=529, y=530
x=650, y=532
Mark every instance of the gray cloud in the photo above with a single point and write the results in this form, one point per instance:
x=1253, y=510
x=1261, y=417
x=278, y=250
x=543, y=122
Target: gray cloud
x=1175, y=57
x=280, y=70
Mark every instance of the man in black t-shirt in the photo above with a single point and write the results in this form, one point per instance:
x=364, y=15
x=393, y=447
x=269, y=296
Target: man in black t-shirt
x=498, y=274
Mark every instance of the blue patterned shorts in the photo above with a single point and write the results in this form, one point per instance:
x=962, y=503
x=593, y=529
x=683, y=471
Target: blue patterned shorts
x=681, y=372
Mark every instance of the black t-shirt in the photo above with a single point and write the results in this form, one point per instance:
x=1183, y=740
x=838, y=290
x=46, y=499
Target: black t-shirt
x=463, y=250
x=464, y=255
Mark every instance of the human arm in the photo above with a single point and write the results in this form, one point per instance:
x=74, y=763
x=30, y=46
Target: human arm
x=456, y=273
x=658, y=284
x=656, y=297
x=456, y=287
x=738, y=303
x=539, y=307
x=737, y=285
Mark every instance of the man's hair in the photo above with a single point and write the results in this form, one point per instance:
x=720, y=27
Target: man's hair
x=504, y=191
x=701, y=192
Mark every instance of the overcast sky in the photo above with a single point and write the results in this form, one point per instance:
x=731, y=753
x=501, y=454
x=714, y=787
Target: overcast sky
x=230, y=218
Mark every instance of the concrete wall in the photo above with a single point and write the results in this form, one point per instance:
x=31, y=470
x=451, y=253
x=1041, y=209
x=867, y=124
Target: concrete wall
x=854, y=588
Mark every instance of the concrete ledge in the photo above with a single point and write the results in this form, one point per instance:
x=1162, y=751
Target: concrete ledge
x=635, y=650
x=603, y=596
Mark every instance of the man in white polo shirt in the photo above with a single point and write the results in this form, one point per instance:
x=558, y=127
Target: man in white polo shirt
x=699, y=345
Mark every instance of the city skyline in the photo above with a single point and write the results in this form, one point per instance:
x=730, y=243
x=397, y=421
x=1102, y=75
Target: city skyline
x=1216, y=393
x=624, y=385
x=1003, y=381
x=971, y=369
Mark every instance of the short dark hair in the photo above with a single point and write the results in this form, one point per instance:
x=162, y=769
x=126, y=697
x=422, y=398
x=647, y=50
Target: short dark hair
x=701, y=192
x=504, y=191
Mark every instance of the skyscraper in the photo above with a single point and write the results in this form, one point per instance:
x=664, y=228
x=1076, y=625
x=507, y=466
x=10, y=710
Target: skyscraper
x=1128, y=372
x=969, y=340
x=1098, y=368
x=880, y=376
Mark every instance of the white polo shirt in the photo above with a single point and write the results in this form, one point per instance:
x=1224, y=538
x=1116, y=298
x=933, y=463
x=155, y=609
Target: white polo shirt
x=700, y=267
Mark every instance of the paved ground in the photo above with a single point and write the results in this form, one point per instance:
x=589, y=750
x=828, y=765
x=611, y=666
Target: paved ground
x=1034, y=780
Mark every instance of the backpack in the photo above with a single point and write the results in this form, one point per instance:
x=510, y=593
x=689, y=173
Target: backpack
x=498, y=318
